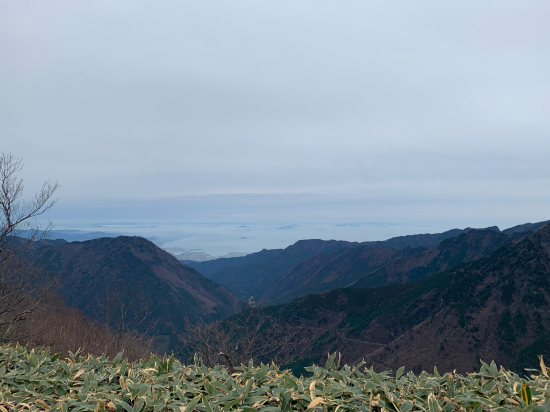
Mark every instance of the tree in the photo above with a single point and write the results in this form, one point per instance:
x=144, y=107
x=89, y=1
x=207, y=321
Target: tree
x=20, y=283
x=251, y=334
x=125, y=312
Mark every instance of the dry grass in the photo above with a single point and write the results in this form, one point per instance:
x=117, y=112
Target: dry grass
x=65, y=330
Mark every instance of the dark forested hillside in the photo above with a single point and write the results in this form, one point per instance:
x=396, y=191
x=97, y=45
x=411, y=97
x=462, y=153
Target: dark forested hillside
x=262, y=275
x=90, y=270
x=251, y=279
x=324, y=272
x=450, y=252
x=211, y=266
x=526, y=227
x=428, y=240
x=313, y=266
x=495, y=307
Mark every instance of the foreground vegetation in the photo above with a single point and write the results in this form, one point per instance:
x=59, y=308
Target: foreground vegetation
x=36, y=380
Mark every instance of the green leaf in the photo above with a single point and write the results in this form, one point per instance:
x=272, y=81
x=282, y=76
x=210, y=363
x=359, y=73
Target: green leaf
x=286, y=399
x=206, y=403
x=330, y=361
x=493, y=369
x=432, y=403
x=123, y=366
x=124, y=405
x=399, y=372
x=231, y=404
x=192, y=404
x=371, y=385
x=247, y=389
x=180, y=394
x=406, y=406
x=526, y=394
x=262, y=373
x=159, y=407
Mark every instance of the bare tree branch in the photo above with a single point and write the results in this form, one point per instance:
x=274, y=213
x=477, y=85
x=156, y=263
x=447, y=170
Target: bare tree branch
x=249, y=335
x=125, y=312
x=20, y=284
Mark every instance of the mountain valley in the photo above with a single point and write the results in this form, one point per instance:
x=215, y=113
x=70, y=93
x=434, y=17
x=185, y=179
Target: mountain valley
x=314, y=266
x=480, y=294
x=495, y=307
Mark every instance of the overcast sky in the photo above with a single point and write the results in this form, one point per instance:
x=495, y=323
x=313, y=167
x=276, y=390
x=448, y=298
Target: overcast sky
x=261, y=110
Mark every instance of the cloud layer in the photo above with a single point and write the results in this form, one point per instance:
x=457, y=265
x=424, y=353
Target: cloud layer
x=313, y=109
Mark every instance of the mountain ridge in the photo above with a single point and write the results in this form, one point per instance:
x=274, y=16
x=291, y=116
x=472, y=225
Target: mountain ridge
x=313, y=266
x=495, y=307
x=249, y=279
x=323, y=272
x=88, y=270
x=448, y=253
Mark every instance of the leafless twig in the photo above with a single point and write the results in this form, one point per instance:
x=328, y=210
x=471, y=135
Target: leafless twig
x=251, y=334
x=21, y=284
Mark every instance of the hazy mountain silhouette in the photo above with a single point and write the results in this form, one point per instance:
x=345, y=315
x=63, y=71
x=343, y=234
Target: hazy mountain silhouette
x=426, y=240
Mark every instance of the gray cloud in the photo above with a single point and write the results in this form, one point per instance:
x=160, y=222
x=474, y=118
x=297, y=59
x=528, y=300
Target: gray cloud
x=276, y=110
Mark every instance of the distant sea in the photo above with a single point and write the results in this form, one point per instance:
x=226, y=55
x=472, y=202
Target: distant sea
x=203, y=241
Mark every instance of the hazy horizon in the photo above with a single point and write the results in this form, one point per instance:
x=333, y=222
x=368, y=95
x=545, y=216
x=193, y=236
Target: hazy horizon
x=315, y=113
x=207, y=240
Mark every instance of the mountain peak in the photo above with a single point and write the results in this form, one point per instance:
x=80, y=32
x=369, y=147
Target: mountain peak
x=494, y=307
x=87, y=270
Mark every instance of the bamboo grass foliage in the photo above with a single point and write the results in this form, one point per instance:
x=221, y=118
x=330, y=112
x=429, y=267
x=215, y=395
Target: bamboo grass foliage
x=36, y=380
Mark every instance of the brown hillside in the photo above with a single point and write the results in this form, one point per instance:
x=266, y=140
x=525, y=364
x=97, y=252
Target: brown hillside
x=89, y=270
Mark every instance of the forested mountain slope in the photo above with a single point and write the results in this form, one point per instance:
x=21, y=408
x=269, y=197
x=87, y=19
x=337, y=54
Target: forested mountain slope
x=250, y=279
x=89, y=271
x=427, y=240
x=324, y=272
x=313, y=266
x=450, y=252
x=495, y=307
x=526, y=227
x=211, y=266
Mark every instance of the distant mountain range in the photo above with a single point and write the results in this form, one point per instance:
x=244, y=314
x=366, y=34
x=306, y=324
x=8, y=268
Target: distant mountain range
x=314, y=266
x=71, y=235
x=450, y=298
x=425, y=240
x=323, y=272
x=494, y=307
x=450, y=252
x=249, y=275
x=87, y=270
